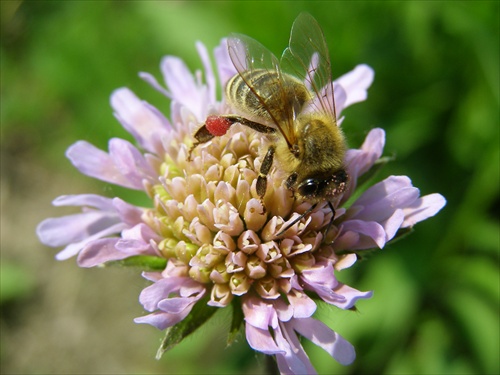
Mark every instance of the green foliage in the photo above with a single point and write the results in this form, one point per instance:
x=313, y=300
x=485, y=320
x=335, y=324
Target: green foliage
x=143, y=262
x=436, y=94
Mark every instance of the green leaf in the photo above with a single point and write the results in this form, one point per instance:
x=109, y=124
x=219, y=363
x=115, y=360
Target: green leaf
x=236, y=322
x=145, y=262
x=200, y=313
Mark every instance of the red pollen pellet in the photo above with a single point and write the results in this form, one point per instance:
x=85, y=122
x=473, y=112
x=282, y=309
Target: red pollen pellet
x=217, y=125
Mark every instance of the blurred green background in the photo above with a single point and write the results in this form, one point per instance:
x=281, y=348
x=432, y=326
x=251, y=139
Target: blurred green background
x=436, y=93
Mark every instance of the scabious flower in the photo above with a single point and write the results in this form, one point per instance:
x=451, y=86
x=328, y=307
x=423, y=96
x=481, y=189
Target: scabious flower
x=209, y=239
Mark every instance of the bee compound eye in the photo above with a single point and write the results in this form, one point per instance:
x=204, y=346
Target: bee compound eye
x=308, y=187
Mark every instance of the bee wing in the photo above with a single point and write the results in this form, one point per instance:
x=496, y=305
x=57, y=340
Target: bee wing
x=307, y=58
x=248, y=55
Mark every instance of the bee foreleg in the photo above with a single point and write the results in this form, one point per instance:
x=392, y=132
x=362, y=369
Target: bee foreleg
x=264, y=170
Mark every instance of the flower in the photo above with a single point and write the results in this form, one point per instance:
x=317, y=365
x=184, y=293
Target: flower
x=217, y=242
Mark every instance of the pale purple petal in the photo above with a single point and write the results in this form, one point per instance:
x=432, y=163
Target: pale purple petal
x=283, y=310
x=331, y=342
x=423, y=208
x=149, y=78
x=63, y=230
x=134, y=247
x=100, y=251
x=153, y=294
x=140, y=119
x=295, y=359
x=178, y=78
x=162, y=320
x=129, y=214
x=137, y=240
x=360, y=234
x=153, y=276
x=393, y=223
x=360, y=161
x=356, y=83
x=225, y=67
x=321, y=280
x=131, y=163
x=380, y=190
x=303, y=306
x=90, y=200
x=96, y=163
x=141, y=232
x=74, y=248
x=340, y=97
x=351, y=296
x=385, y=206
x=258, y=313
x=209, y=72
x=183, y=87
x=176, y=305
x=261, y=340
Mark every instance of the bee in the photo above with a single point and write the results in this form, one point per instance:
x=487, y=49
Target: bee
x=291, y=102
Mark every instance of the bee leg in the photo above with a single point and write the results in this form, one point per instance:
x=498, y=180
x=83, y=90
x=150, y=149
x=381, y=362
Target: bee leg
x=261, y=186
x=297, y=219
x=202, y=135
x=251, y=124
x=218, y=125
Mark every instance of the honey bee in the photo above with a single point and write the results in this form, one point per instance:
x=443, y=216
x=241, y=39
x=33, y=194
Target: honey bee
x=291, y=102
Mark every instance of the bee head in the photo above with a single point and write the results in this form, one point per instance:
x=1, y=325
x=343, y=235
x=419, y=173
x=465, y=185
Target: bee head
x=319, y=187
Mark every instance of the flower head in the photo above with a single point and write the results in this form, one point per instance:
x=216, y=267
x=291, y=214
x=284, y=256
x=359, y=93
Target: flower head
x=217, y=241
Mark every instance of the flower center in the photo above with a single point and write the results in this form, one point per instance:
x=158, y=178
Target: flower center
x=216, y=228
